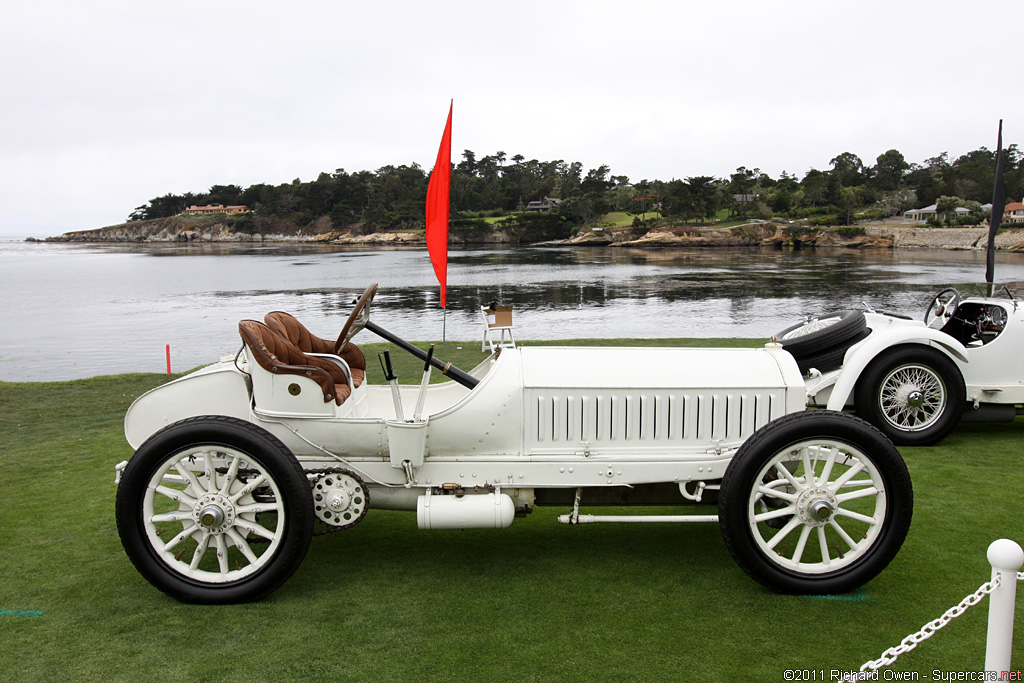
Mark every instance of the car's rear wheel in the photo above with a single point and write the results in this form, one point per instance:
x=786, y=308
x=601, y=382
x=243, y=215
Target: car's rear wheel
x=815, y=503
x=214, y=510
x=913, y=393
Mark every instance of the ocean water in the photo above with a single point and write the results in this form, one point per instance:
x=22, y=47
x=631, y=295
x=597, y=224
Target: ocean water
x=75, y=310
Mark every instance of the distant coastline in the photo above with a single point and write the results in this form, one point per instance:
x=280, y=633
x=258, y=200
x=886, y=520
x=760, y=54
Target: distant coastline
x=210, y=229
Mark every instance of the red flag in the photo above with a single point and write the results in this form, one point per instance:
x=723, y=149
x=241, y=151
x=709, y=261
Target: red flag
x=438, y=195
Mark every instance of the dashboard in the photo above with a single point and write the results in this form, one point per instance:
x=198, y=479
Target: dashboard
x=974, y=322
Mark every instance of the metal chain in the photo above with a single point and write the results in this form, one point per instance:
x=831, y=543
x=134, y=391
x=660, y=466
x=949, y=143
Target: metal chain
x=928, y=630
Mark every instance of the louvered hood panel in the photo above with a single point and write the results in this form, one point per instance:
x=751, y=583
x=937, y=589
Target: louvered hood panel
x=672, y=401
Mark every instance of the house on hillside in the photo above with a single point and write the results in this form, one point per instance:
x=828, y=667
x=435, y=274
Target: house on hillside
x=923, y=214
x=1014, y=213
x=215, y=208
x=546, y=205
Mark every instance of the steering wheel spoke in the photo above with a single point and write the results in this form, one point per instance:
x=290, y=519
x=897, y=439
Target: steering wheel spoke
x=357, y=319
x=942, y=307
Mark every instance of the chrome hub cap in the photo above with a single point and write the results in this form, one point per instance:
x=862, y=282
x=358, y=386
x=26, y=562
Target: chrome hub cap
x=211, y=516
x=214, y=513
x=816, y=505
x=821, y=510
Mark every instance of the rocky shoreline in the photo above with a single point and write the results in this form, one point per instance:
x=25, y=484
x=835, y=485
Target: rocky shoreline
x=871, y=236
x=880, y=236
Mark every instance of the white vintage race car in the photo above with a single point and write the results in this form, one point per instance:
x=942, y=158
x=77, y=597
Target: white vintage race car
x=915, y=380
x=240, y=463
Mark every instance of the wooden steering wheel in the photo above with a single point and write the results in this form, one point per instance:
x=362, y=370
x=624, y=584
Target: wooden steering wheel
x=357, y=319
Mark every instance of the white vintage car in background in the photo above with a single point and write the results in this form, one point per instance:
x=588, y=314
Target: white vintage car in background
x=916, y=379
x=239, y=464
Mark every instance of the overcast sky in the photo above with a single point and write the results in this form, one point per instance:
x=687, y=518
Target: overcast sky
x=107, y=104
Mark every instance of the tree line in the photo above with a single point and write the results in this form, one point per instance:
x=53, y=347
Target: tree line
x=392, y=197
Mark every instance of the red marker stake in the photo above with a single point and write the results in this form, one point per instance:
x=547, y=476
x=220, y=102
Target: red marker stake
x=168, y=359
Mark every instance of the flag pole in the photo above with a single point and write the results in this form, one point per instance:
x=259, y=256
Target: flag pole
x=996, y=217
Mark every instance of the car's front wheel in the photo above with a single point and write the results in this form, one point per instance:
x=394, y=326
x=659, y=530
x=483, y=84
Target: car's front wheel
x=815, y=503
x=914, y=394
x=214, y=510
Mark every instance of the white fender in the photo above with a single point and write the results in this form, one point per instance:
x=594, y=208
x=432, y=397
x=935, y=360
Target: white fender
x=218, y=389
x=858, y=357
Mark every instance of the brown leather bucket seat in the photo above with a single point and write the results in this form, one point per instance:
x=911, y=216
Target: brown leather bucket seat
x=278, y=355
x=286, y=325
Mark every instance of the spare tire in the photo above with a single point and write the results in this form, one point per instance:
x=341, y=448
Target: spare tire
x=822, y=334
x=829, y=359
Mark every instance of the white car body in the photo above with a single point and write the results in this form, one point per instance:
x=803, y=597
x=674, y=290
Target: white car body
x=981, y=338
x=813, y=502
x=669, y=414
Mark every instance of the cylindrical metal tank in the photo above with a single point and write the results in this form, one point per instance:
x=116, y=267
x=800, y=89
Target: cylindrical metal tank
x=472, y=511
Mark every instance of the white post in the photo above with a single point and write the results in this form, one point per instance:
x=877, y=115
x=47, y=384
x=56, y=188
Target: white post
x=1006, y=558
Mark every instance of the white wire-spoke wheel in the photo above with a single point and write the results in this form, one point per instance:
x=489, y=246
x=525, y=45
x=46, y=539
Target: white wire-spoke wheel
x=809, y=327
x=214, y=510
x=340, y=499
x=914, y=394
x=820, y=334
x=815, y=503
x=912, y=397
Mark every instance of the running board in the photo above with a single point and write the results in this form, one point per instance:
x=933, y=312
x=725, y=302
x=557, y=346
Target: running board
x=575, y=517
x=594, y=519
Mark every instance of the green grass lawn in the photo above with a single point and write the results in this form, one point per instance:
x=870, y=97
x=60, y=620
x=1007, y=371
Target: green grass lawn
x=536, y=602
x=621, y=219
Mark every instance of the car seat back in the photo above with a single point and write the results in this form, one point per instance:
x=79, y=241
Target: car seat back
x=280, y=356
x=289, y=327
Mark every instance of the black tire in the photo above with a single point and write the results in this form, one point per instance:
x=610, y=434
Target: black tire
x=882, y=395
x=825, y=333
x=763, y=532
x=267, y=496
x=829, y=359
